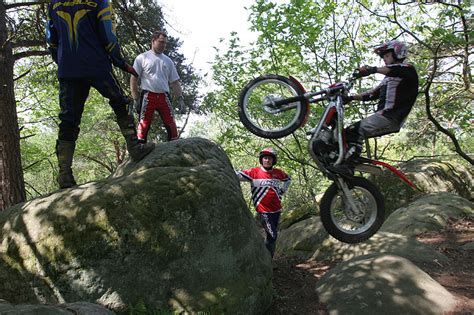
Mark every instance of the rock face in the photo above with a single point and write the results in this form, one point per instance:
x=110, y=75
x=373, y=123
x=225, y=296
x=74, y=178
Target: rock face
x=383, y=284
x=170, y=233
x=78, y=308
x=308, y=239
x=429, y=213
x=378, y=276
x=429, y=176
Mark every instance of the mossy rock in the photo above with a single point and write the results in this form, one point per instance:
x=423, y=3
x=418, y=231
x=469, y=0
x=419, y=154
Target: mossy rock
x=429, y=176
x=171, y=232
x=308, y=240
x=383, y=284
x=382, y=242
x=302, y=239
x=78, y=308
x=429, y=213
x=297, y=214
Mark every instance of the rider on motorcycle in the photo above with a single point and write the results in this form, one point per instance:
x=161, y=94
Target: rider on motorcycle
x=396, y=95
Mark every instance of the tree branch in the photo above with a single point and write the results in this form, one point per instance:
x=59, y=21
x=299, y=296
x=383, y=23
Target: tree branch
x=24, y=4
x=433, y=120
x=101, y=163
x=30, y=53
x=21, y=75
x=28, y=43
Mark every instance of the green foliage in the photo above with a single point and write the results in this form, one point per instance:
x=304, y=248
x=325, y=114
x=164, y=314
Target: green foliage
x=318, y=42
x=100, y=147
x=321, y=42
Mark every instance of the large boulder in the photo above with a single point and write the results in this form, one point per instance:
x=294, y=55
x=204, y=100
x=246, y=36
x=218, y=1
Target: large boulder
x=429, y=213
x=170, y=233
x=429, y=176
x=77, y=308
x=308, y=240
x=302, y=239
x=382, y=284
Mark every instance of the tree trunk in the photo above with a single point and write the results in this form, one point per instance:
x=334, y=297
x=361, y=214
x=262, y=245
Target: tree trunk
x=12, y=186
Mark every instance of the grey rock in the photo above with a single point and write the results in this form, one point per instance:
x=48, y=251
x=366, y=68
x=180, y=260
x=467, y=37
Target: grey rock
x=382, y=284
x=309, y=240
x=78, y=308
x=428, y=213
x=429, y=176
x=169, y=233
x=468, y=246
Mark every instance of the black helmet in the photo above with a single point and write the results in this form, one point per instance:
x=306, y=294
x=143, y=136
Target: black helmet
x=268, y=152
x=399, y=49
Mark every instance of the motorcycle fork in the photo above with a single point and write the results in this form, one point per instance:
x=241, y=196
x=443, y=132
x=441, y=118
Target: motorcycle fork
x=349, y=200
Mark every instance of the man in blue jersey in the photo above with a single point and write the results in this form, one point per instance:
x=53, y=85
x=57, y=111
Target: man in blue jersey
x=82, y=41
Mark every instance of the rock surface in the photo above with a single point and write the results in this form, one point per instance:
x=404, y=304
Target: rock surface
x=170, y=233
x=429, y=213
x=382, y=284
x=308, y=239
x=429, y=176
x=78, y=308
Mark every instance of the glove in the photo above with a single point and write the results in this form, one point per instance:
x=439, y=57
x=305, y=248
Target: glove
x=181, y=105
x=364, y=71
x=128, y=68
x=346, y=99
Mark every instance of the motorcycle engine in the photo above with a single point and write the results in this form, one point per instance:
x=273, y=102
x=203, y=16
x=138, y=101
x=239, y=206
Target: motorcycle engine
x=325, y=147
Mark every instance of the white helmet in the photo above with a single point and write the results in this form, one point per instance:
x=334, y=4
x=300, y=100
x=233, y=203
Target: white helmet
x=399, y=49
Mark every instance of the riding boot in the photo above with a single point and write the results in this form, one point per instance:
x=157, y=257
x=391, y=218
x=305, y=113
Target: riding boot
x=65, y=153
x=355, y=138
x=351, y=159
x=136, y=149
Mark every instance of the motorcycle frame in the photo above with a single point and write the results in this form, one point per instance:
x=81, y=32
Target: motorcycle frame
x=336, y=106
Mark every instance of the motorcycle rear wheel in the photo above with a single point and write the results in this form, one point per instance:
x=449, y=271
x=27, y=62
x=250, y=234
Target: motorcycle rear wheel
x=349, y=226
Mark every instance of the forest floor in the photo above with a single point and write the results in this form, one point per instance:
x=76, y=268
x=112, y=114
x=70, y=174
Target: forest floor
x=295, y=280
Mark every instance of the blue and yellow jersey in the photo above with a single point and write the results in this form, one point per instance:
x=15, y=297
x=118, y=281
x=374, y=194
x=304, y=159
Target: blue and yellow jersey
x=81, y=38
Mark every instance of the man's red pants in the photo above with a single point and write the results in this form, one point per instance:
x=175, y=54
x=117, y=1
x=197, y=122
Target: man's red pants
x=161, y=103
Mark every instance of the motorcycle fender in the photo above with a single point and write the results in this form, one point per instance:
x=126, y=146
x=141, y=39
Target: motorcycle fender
x=293, y=79
x=369, y=168
x=397, y=172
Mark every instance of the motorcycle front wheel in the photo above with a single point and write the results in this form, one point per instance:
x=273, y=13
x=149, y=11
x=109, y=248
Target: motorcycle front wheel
x=357, y=222
x=259, y=114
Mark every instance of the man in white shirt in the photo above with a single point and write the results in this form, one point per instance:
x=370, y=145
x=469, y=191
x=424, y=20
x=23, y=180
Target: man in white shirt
x=157, y=73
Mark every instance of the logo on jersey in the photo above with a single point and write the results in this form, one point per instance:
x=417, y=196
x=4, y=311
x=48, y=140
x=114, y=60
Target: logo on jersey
x=266, y=182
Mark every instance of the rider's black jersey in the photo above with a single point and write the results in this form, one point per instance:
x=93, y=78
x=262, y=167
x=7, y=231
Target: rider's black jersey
x=397, y=92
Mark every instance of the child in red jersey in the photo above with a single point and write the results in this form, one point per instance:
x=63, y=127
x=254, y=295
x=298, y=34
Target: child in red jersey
x=268, y=184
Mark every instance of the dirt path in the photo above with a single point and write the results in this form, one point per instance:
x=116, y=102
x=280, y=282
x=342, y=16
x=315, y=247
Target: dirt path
x=295, y=279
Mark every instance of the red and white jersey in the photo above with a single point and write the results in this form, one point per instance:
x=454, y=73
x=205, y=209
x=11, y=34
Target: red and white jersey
x=267, y=187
